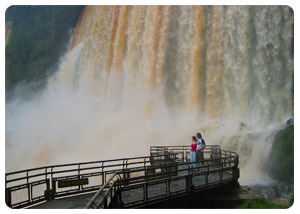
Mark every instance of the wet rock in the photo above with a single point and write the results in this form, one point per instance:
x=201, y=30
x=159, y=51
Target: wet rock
x=273, y=192
x=290, y=122
x=244, y=127
x=282, y=201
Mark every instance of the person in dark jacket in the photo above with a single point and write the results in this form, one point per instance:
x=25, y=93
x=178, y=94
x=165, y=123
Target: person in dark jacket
x=200, y=149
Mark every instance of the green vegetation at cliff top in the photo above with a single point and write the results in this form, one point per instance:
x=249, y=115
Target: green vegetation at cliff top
x=39, y=36
x=260, y=203
x=282, y=155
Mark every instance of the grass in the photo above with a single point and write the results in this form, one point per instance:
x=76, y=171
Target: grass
x=260, y=203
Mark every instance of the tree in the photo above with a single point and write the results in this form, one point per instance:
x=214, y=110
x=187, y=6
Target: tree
x=39, y=36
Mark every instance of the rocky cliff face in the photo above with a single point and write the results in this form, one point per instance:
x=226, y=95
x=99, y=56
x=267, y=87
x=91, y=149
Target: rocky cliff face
x=7, y=31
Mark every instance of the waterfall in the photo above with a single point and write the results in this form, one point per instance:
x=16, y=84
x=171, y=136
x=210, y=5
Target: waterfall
x=137, y=76
x=237, y=57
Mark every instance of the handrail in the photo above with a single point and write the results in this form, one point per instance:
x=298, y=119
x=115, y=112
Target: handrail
x=47, y=178
x=91, y=162
x=74, y=169
x=100, y=192
x=227, y=170
x=75, y=164
x=140, y=180
x=115, y=170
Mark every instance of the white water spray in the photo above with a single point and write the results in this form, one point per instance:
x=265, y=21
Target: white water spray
x=138, y=76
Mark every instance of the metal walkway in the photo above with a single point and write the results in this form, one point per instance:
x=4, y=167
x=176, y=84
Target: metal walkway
x=122, y=183
x=71, y=202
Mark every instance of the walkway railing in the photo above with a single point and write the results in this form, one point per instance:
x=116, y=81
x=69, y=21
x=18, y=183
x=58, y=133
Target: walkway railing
x=183, y=152
x=31, y=186
x=169, y=180
x=114, y=179
x=104, y=196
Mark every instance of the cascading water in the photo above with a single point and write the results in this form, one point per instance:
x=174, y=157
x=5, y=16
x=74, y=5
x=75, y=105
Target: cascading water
x=137, y=76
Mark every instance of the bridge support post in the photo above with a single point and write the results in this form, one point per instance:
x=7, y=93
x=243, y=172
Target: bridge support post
x=49, y=193
x=8, y=197
x=105, y=203
x=236, y=173
x=126, y=176
x=168, y=187
x=189, y=183
x=236, y=170
x=119, y=202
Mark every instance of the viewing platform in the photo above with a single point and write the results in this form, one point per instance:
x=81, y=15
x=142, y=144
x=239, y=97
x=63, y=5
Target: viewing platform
x=162, y=179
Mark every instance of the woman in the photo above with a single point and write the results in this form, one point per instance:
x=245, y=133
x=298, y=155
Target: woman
x=193, y=151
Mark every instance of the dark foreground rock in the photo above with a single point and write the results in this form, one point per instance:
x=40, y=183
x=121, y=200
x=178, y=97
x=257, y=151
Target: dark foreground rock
x=278, y=193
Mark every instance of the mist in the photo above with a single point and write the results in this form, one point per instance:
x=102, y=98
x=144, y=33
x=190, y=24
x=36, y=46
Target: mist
x=62, y=124
x=125, y=85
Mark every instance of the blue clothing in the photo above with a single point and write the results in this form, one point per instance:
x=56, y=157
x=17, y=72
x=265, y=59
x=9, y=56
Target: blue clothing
x=193, y=158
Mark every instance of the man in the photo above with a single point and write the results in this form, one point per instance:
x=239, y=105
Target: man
x=199, y=150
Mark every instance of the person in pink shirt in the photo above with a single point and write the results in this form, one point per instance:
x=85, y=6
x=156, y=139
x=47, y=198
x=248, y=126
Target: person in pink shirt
x=193, y=151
